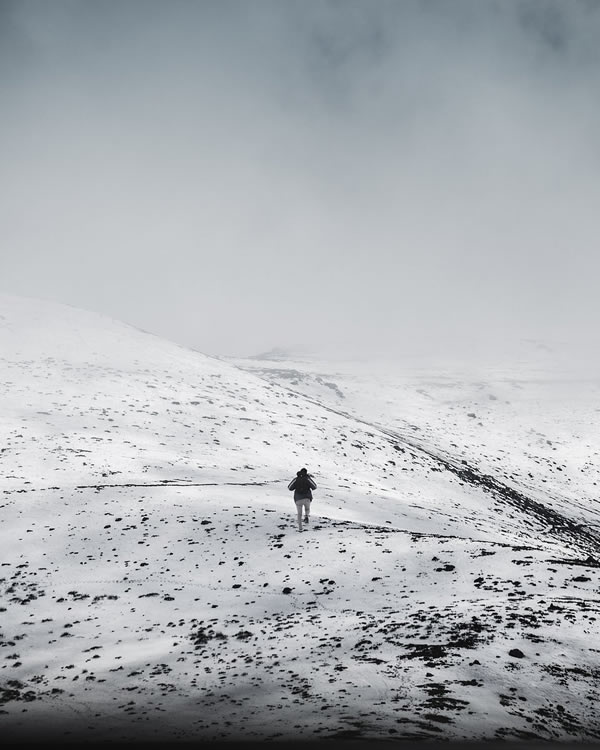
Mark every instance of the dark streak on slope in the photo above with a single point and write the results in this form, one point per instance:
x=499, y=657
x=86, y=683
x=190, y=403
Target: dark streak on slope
x=560, y=526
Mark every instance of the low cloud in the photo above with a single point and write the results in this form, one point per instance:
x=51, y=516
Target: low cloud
x=367, y=175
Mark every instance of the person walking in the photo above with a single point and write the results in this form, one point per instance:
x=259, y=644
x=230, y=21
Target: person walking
x=303, y=484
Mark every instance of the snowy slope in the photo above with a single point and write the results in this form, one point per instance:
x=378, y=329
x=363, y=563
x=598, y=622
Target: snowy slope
x=155, y=585
x=524, y=421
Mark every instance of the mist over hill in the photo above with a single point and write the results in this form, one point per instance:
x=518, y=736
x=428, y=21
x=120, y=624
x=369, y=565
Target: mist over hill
x=155, y=585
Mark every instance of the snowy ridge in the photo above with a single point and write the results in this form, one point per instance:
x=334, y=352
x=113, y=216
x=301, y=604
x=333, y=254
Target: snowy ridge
x=155, y=586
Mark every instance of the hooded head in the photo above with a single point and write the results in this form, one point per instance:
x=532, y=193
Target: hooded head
x=302, y=471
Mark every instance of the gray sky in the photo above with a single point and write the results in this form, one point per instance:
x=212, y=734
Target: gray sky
x=240, y=175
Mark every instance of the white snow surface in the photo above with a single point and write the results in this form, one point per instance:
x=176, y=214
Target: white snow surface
x=155, y=585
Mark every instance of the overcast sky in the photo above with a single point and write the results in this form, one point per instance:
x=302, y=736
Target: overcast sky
x=240, y=175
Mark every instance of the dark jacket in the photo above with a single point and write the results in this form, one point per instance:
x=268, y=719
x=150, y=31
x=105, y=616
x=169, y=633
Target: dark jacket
x=298, y=495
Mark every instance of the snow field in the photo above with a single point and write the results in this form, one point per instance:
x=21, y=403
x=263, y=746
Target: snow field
x=155, y=585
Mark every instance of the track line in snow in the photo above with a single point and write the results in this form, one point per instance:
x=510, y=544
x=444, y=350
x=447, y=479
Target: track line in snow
x=165, y=483
x=423, y=534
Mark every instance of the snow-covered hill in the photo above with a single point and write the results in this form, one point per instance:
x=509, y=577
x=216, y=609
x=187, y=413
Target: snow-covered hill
x=155, y=585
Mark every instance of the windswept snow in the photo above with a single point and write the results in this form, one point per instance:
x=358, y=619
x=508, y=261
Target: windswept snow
x=155, y=585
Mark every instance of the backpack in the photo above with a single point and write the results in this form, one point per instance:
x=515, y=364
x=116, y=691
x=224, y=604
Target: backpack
x=302, y=484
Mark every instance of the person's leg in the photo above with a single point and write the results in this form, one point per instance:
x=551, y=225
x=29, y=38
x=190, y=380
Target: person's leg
x=307, y=509
x=299, y=508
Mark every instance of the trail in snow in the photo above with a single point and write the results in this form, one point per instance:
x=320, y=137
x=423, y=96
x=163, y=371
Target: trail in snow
x=165, y=483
